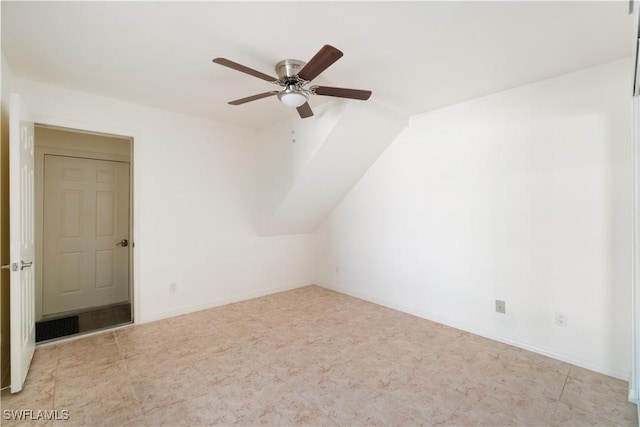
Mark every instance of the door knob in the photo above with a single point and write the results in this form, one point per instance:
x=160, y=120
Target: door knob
x=124, y=243
x=15, y=266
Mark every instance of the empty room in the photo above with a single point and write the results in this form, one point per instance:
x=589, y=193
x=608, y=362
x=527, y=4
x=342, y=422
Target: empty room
x=320, y=213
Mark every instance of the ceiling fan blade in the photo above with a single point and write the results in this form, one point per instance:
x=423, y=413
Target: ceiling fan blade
x=253, y=98
x=342, y=92
x=326, y=56
x=305, y=110
x=243, y=69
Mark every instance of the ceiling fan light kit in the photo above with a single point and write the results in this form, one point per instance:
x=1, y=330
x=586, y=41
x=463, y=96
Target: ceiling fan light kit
x=292, y=97
x=293, y=76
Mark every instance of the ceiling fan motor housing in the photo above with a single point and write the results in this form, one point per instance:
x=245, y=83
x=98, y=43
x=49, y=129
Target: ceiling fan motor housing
x=288, y=69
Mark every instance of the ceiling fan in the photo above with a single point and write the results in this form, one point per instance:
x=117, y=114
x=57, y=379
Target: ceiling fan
x=293, y=76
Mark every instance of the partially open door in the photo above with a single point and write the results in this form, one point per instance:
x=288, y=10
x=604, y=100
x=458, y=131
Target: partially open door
x=21, y=231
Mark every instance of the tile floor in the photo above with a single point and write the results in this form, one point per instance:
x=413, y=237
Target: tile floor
x=311, y=357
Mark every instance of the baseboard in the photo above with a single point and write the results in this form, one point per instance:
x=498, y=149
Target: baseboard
x=486, y=334
x=218, y=303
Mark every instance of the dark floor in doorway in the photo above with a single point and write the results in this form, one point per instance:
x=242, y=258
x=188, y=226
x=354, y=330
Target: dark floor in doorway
x=105, y=317
x=57, y=328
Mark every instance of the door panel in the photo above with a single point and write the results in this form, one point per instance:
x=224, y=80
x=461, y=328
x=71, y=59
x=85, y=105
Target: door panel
x=22, y=242
x=86, y=213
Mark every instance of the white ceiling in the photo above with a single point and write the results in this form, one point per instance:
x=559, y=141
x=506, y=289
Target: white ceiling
x=414, y=56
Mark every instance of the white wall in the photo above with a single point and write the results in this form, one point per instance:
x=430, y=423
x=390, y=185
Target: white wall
x=194, y=182
x=523, y=196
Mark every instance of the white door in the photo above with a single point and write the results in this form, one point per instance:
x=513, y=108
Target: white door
x=86, y=232
x=21, y=217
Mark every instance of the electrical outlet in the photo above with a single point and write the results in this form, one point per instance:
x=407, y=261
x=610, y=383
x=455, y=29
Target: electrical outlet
x=173, y=288
x=500, y=307
x=561, y=319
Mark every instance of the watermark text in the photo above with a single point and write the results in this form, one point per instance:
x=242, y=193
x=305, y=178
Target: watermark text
x=36, y=414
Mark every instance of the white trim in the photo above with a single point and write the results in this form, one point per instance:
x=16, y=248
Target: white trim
x=635, y=260
x=92, y=128
x=480, y=332
x=634, y=380
x=217, y=303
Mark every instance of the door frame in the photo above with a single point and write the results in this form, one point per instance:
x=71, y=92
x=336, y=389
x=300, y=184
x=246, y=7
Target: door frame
x=634, y=380
x=635, y=259
x=71, y=126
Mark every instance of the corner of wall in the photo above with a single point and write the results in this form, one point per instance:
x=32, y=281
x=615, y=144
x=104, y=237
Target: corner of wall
x=287, y=148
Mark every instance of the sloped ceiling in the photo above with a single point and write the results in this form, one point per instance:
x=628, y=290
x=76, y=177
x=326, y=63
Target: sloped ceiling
x=414, y=56
x=345, y=146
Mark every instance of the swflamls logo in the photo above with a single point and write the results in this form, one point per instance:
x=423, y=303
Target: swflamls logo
x=36, y=415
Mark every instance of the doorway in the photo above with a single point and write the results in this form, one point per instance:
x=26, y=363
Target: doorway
x=83, y=221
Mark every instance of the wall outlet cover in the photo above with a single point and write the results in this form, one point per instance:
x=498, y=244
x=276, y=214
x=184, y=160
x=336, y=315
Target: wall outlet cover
x=561, y=319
